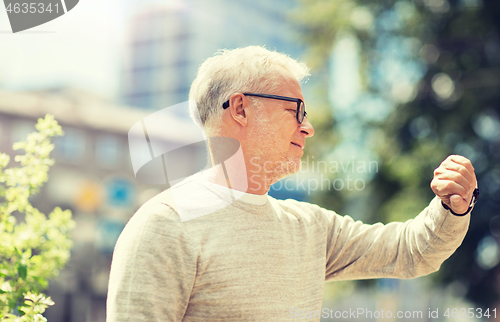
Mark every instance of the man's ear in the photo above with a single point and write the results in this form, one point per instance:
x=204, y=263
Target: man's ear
x=237, y=107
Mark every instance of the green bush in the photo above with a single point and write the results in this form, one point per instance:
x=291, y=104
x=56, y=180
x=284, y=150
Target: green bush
x=33, y=250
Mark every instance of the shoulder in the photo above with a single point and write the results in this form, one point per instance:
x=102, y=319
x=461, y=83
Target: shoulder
x=304, y=211
x=154, y=221
x=159, y=208
x=170, y=212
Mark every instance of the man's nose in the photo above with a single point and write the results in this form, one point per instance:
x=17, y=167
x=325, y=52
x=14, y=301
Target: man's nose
x=307, y=128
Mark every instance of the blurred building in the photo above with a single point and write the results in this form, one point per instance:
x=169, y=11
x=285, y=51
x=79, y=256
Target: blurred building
x=92, y=176
x=168, y=42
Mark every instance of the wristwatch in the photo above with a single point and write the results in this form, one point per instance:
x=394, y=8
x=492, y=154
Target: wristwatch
x=475, y=196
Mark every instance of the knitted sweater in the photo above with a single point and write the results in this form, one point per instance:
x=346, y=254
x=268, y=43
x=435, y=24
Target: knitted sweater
x=247, y=260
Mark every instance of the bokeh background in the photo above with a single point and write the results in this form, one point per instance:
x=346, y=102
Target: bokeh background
x=396, y=87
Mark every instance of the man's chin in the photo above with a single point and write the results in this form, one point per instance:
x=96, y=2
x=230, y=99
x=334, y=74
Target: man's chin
x=290, y=167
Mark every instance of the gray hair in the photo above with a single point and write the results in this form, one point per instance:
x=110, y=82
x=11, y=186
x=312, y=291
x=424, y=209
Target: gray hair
x=246, y=69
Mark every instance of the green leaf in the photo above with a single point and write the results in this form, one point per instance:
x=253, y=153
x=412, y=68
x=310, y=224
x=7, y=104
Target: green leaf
x=22, y=270
x=27, y=254
x=37, y=242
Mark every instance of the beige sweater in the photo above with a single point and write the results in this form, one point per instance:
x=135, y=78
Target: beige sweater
x=250, y=262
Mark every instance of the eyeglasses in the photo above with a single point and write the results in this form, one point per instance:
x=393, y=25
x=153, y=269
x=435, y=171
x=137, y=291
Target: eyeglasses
x=301, y=107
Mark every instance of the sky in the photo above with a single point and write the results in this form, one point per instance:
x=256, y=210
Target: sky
x=82, y=48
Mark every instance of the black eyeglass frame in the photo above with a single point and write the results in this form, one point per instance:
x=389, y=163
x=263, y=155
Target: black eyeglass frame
x=298, y=115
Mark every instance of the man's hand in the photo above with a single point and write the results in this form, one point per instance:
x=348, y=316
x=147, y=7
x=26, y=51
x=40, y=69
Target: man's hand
x=454, y=182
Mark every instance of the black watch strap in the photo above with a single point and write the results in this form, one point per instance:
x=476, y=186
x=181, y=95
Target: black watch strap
x=475, y=196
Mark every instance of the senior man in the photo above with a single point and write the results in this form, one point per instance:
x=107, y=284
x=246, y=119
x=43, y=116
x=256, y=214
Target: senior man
x=216, y=247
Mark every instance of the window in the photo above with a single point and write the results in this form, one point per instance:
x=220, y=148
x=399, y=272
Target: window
x=108, y=151
x=72, y=146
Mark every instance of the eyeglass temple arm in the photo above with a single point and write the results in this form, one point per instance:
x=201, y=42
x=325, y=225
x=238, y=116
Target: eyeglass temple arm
x=226, y=103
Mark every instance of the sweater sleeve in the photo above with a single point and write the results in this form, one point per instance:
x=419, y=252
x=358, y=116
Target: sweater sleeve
x=153, y=269
x=397, y=250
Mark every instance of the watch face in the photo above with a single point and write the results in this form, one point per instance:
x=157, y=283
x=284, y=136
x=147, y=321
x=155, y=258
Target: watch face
x=475, y=196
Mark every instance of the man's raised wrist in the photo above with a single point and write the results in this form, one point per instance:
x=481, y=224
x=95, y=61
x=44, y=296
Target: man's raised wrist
x=475, y=196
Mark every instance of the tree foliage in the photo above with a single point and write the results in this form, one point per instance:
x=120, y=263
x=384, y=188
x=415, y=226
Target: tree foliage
x=33, y=248
x=435, y=68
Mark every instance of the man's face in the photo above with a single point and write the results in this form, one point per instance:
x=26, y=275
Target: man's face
x=278, y=138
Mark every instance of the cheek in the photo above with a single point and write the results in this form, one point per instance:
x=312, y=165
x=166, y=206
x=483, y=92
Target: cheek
x=275, y=135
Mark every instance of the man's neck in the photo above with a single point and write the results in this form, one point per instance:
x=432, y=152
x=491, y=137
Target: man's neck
x=235, y=175
x=237, y=169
